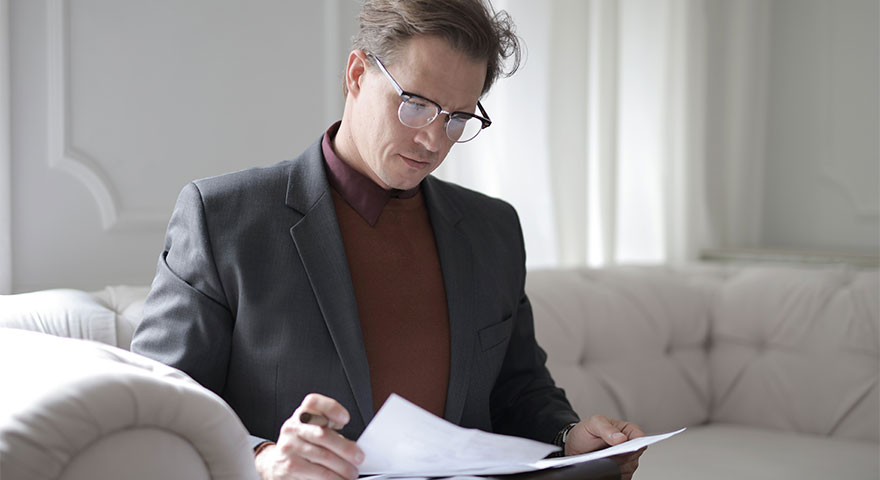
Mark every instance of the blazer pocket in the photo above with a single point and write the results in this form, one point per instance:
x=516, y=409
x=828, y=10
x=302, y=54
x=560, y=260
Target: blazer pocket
x=495, y=334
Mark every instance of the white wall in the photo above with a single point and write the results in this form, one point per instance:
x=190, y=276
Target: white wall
x=793, y=124
x=823, y=126
x=116, y=104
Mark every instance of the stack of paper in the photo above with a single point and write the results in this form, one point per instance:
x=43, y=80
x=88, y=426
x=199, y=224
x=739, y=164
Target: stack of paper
x=404, y=440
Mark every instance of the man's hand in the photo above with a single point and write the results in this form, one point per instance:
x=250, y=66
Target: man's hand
x=308, y=451
x=600, y=432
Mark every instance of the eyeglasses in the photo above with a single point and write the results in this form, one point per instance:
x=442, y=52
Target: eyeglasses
x=417, y=112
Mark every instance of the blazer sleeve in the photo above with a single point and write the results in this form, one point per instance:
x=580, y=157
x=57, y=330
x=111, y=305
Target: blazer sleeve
x=187, y=323
x=525, y=400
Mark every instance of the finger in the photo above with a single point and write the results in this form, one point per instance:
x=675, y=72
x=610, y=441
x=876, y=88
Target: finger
x=316, y=403
x=314, y=419
x=304, y=468
x=333, y=442
x=293, y=434
x=327, y=459
x=601, y=427
x=280, y=461
x=297, y=445
x=628, y=463
x=629, y=468
x=631, y=430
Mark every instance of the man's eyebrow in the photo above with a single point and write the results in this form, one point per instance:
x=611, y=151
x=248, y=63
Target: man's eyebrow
x=471, y=110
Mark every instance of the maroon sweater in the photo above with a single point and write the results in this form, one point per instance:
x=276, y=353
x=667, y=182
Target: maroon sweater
x=398, y=285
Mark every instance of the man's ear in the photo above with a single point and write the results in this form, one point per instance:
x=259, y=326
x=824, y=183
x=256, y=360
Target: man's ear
x=355, y=70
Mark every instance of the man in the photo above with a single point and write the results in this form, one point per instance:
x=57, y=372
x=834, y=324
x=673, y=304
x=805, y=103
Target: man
x=325, y=283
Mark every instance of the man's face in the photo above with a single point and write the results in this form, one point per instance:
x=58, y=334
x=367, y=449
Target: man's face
x=397, y=156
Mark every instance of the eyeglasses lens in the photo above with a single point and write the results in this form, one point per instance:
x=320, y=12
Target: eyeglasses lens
x=417, y=113
x=463, y=129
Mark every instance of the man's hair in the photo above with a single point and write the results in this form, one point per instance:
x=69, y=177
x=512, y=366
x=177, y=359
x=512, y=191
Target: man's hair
x=471, y=27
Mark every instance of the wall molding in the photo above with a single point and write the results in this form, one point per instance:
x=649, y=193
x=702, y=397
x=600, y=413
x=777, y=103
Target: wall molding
x=65, y=157
x=5, y=150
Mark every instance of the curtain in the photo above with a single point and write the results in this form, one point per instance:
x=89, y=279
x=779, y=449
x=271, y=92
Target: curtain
x=598, y=140
x=512, y=158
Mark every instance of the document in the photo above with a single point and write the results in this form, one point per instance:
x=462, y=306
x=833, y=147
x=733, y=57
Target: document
x=619, y=449
x=404, y=440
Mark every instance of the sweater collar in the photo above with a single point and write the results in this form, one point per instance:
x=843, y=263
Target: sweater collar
x=363, y=194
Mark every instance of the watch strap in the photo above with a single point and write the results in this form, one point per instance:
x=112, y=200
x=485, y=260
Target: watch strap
x=561, y=437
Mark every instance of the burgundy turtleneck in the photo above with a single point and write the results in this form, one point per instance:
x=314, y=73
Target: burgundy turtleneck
x=398, y=284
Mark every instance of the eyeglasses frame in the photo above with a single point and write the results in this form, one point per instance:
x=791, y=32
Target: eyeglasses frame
x=405, y=95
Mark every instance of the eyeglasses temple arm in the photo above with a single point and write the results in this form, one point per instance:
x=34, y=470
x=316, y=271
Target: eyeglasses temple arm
x=394, y=83
x=487, y=121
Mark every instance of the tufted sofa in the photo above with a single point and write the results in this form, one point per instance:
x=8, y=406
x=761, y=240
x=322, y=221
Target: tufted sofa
x=774, y=370
x=76, y=410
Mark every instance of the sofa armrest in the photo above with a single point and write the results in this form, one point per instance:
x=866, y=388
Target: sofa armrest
x=64, y=398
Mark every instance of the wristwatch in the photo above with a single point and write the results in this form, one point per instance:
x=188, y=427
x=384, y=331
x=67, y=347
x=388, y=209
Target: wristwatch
x=562, y=436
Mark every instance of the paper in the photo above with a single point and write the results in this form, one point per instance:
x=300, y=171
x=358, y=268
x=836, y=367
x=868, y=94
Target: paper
x=621, y=448
x=405, y=441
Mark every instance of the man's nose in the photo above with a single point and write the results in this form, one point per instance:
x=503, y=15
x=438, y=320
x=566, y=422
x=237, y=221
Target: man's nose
x=433, y=136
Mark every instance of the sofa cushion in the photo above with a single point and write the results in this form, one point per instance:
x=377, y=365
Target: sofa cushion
x=797, y=349
x=128, y=304
x=628, y=342
x=734, y=452
x=61, y=312
x=108, y=316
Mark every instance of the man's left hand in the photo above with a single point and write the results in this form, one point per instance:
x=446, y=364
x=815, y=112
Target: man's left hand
x=600, y=432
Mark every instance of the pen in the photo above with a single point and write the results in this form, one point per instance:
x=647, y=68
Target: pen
x=314, y=419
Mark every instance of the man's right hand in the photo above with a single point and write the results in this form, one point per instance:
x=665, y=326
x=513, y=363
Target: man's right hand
x=308, y=451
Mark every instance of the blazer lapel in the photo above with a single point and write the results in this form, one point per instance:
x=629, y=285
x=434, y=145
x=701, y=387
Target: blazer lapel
x=456, y=260
x=319, y=242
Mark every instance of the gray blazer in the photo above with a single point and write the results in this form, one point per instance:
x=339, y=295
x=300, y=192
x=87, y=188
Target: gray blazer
x=253, y=299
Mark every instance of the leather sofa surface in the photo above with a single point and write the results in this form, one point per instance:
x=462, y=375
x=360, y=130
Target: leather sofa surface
x=773, y=369
x=75, y=409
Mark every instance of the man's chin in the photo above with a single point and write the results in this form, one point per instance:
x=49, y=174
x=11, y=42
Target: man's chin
x=404, y=184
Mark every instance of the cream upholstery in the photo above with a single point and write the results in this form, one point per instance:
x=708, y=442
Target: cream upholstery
x=774, y=370
x=763, y=364
x=109, y=316
x=74, y=409
x=798, y=352
x=726, y=452
x=63, y=312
